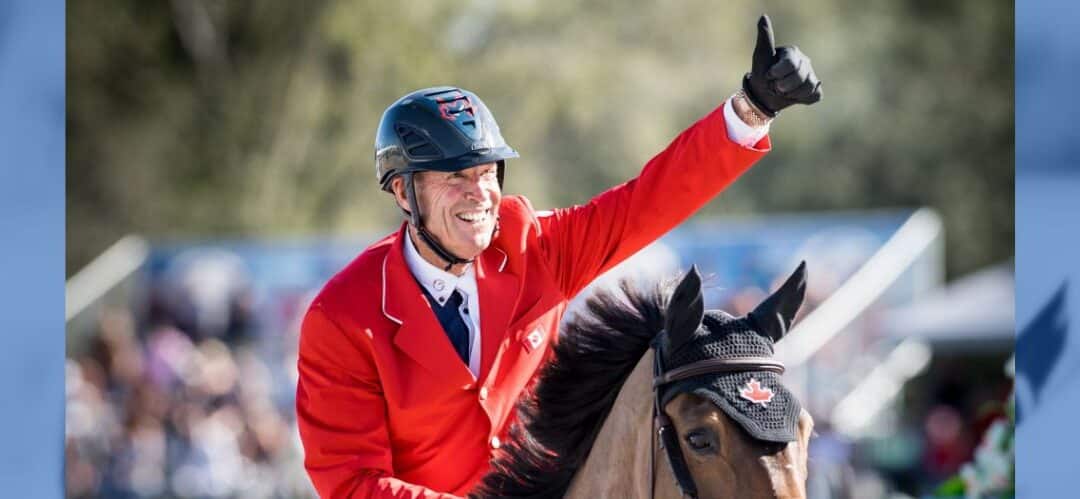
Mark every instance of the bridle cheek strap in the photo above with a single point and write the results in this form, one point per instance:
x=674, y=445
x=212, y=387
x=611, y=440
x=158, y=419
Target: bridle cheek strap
x=668, y=437
x=669, y=441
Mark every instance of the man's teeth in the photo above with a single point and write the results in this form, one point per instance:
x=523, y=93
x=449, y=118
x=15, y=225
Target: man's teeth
x=474, y=216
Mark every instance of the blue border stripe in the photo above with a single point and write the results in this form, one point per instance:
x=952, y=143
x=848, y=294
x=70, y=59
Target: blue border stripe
x=32, y=258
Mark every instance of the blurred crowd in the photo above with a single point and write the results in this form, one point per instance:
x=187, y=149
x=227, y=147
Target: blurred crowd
x=182, y=402
x=188, y=390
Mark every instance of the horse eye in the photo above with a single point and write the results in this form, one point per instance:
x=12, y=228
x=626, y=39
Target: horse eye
x=699, y=441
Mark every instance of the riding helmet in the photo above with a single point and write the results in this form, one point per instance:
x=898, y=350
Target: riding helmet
x=444, y=129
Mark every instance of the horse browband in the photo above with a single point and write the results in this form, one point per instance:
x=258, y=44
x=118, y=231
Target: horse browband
x=710, y=366
x=665, y=429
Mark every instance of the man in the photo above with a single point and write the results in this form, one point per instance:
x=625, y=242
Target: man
x=413, y=356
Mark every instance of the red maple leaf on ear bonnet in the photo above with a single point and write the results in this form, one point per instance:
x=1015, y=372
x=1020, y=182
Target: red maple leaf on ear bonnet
x=754, y=392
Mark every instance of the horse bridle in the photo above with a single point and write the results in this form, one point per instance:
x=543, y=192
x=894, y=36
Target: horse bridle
x=662, y=425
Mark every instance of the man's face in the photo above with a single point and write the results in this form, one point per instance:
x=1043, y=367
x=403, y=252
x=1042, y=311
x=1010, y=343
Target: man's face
x=457, y=208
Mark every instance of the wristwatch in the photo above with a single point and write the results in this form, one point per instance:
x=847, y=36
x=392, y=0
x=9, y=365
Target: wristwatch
x=757, y=117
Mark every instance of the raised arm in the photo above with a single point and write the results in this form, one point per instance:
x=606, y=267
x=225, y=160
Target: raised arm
x=581, y=242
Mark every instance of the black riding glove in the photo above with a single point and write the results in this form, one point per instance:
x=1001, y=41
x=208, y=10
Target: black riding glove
x=779, y=77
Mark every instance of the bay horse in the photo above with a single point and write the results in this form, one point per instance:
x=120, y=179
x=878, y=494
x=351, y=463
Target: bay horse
x=646, y=376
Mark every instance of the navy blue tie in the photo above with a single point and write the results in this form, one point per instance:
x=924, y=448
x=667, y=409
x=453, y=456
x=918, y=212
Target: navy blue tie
x=449, y=316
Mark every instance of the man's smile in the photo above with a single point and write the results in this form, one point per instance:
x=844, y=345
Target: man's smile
x=474, y=216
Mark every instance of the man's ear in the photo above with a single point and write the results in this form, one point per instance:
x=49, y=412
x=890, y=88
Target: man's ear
x=397, y=185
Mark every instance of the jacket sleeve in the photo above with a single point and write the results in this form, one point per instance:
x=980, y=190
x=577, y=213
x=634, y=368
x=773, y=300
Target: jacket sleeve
x=342, y=417
x=582, y=242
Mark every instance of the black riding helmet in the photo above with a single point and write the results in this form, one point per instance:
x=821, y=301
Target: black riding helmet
x=444, y=129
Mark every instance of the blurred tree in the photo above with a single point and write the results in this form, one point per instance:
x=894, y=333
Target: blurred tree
x=210, y=118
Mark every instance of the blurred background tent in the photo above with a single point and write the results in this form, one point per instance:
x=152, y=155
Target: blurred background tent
x=220, y=169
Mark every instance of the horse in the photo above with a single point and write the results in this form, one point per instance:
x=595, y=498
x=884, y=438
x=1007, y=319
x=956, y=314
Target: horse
x=644, y=374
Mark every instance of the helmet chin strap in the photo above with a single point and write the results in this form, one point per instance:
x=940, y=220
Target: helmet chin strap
x=425, y=236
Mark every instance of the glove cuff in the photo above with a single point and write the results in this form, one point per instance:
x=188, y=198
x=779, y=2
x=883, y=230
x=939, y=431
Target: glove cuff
x=754, y=101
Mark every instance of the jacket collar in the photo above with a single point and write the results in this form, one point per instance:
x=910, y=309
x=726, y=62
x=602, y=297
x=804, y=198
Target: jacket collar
x=438, y=282
x=419, y=334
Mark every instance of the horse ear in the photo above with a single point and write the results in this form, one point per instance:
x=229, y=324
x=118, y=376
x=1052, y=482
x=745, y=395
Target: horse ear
x=685, y=310
x=772, y=318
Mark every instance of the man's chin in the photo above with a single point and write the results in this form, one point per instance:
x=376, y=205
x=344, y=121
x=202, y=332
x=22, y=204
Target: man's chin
x=475, y=247
x=479, y=247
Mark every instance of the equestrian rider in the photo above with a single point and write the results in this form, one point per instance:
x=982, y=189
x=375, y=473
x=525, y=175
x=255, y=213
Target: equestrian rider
x=412, y=357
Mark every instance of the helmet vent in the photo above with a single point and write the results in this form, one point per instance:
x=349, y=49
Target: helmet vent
x=455, y=106
x=417, y=145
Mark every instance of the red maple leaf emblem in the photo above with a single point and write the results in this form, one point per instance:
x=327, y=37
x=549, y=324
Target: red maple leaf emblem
x=754, y=392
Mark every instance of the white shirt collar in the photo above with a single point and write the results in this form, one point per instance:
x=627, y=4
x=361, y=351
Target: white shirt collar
x=438, y=283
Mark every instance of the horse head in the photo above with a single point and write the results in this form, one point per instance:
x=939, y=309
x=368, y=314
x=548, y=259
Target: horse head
x=646, y=359
x=739, y=432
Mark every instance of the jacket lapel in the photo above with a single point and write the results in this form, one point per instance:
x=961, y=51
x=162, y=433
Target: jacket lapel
x=499, y=292
x=419, y=335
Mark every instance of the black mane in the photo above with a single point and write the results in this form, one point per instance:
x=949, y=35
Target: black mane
x=561, y=417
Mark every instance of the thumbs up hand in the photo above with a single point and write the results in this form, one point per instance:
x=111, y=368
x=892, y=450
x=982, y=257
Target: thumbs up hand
x=779, y=77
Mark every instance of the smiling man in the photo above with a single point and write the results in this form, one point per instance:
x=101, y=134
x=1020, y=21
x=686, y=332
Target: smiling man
x=412, y=357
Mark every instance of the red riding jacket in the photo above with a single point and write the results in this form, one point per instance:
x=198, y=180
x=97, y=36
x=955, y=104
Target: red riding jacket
x=385, y=406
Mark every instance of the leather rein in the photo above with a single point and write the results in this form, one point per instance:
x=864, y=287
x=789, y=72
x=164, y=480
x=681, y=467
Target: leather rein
x=662, y=425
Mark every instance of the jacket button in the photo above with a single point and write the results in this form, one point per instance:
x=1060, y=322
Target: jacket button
x=483, y=393
x=495, y=443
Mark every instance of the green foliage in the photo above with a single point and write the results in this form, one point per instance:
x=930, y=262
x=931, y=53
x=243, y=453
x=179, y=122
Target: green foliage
x=244, y=118
x=953, y=487
x=992, y=472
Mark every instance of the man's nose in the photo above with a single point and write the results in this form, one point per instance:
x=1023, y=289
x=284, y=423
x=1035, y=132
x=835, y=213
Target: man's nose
x=474, y=189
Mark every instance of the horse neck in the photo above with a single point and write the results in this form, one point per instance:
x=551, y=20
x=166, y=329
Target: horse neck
x=619, y=462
